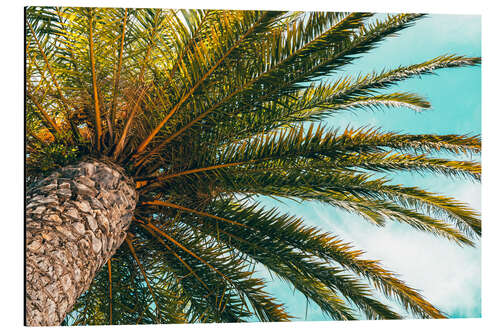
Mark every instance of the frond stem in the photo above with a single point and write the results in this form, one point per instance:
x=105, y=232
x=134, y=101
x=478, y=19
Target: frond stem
x=98, y=129
x=132, y=250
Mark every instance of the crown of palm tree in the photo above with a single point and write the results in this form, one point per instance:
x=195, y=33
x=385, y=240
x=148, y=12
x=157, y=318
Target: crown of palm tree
x=208, y=109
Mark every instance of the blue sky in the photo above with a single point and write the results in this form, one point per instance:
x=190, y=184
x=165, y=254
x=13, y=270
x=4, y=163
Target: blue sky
x=448, y=275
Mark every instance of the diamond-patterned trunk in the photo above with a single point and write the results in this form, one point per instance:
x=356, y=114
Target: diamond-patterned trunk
x=75, y=221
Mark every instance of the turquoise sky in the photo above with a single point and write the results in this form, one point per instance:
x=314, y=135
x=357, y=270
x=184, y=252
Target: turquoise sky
x=449, y=276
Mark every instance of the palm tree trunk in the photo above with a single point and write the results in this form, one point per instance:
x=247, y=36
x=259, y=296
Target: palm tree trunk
x=75, y=221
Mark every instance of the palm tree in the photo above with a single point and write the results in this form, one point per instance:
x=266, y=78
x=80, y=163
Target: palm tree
x=151, y=134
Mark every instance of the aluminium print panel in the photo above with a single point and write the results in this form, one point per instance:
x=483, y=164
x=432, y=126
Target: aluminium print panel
x=200, y=166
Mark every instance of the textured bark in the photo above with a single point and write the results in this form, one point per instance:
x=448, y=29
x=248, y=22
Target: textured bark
x=75, y=221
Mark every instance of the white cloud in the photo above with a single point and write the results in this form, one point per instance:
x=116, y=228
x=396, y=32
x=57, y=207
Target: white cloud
x=460, y=29
x=447, y=275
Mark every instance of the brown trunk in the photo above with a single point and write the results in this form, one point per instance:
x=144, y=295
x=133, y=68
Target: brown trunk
x=75, y=221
